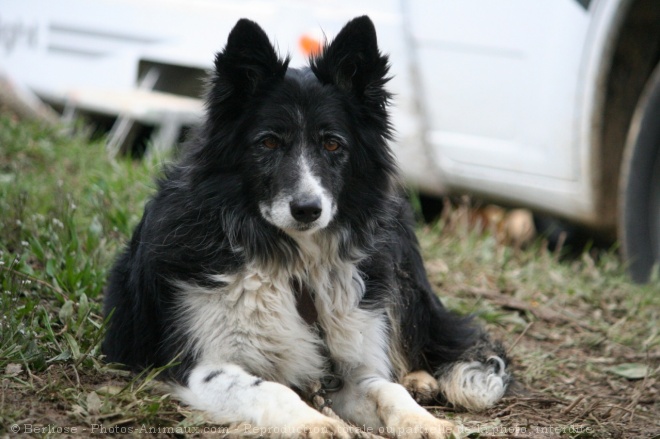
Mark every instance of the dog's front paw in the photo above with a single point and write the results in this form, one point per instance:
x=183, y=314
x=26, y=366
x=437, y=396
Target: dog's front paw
x=327, y=428
x=421, y=386
x=319, y=427
x=423, y=426
x=315, y=427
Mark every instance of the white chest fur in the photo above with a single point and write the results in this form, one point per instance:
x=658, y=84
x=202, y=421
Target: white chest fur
x=252, y=320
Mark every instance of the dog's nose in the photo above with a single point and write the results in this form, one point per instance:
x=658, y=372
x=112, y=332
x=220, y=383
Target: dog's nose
x=306, y=210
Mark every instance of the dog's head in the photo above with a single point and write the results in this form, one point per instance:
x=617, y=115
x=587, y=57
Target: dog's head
x=300, y=140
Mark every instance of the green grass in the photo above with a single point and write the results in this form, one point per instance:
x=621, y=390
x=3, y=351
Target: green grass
x=66, y=210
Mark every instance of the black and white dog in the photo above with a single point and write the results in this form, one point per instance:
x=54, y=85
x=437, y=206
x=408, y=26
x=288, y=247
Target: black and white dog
x=278, y=261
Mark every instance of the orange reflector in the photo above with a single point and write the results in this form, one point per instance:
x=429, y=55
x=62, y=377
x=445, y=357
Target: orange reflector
x=309, y=45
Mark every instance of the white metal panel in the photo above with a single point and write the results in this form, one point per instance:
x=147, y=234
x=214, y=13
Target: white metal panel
x=500, y=80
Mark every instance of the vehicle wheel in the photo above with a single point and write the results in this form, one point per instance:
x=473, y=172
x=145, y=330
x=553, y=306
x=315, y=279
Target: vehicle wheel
x=639, y=212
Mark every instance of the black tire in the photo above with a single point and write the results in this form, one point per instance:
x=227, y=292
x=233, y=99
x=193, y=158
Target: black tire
x=639, y=212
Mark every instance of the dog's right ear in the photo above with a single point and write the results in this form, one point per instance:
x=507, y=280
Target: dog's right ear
x=353, y=63
x=247, y=62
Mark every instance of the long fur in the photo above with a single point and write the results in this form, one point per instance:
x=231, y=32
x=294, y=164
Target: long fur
x=261, y=200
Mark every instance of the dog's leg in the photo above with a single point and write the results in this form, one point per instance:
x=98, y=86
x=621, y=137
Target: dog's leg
x=388, y=409
x=403, y=417
x=230, y=395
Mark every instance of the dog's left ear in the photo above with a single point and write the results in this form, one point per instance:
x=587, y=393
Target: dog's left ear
x=353, y=62
x=247, y=62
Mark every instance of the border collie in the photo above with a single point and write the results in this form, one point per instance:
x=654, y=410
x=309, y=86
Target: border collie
x=277, y=261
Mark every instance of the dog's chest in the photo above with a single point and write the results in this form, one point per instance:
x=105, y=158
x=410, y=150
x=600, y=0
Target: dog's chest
x=255, y=321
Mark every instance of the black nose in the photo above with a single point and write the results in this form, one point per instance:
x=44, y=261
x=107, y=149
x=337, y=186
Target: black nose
x=306, y=211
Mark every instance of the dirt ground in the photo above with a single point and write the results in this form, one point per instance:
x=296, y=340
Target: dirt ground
x=565, y=387
x=578, y=401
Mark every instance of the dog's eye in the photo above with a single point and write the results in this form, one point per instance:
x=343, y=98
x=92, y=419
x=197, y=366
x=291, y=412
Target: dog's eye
x=331, y=145
x=271, y=143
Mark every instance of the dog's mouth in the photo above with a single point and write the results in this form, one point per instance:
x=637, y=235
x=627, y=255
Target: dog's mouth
x=302, y=228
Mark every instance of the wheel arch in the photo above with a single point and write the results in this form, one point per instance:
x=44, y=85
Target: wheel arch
x=628, y=56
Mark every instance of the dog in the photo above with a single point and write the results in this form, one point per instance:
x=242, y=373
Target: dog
x=277, y=263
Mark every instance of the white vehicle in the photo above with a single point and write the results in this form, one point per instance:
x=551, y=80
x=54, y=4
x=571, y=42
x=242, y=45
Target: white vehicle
x=549, y=104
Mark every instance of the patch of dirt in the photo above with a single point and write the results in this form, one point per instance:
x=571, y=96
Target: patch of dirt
x=43, y=404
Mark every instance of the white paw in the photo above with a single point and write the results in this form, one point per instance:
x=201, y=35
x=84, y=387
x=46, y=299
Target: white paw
x=320, y=427
x=326, y=428
x=422, y=426
x=282, y=414
x=421, y=386
x=316, y=426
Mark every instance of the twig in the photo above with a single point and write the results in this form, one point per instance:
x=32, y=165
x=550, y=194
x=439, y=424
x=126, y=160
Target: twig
x=595, y=419
x=68, y=378
x=623, y=411
x=522, y=334
x=585, y=412
x=572, y=405
x=75, y=371
x=506, y=410
x=542, y=421
x=637, y=395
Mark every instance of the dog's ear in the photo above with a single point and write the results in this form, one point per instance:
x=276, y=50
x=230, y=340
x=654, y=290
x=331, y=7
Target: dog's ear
x=247, y=62
x=353, y=62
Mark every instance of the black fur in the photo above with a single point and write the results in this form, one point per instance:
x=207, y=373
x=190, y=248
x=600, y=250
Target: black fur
x=207, y=205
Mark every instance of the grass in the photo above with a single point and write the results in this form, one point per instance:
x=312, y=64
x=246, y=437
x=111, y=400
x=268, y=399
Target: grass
x=66, y=211
x=583, y=338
